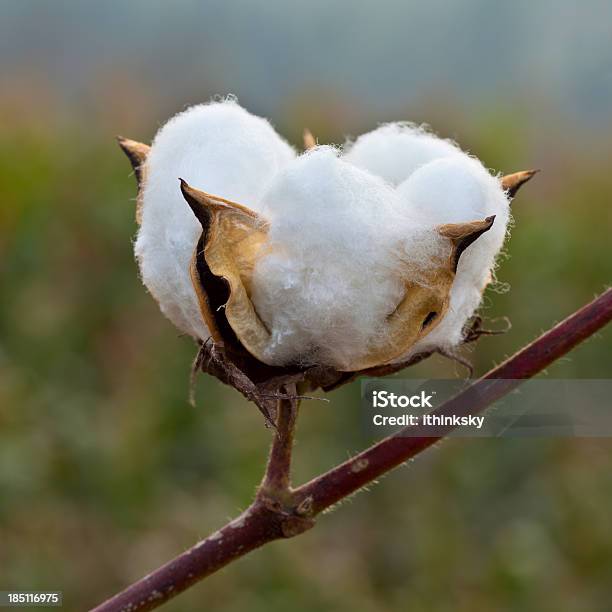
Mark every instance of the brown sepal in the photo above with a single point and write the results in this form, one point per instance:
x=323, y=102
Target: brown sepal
x=310, y=142
x=137, y=153
x=462, y=235
x=511, y=183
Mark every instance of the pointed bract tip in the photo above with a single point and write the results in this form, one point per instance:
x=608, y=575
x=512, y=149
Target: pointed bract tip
x=511, y=183
x=203, y=204
x=310, y=142
x=196, y=203
x=462, y=235
x=137, y=153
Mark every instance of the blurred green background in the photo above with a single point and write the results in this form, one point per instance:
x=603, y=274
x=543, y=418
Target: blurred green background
x=106, y=471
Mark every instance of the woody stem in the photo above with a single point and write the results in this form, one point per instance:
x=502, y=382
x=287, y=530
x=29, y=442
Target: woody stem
x=277, y=478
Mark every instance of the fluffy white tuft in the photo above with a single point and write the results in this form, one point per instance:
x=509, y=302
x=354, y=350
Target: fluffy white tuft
x=222, y=149
x=336, y=235
x=439, y=183
x=395, y=150
x=454, y=190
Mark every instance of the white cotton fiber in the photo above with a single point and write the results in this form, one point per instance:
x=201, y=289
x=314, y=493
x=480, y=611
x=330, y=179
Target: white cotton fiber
x=395, y=150
x=331, y=277
x=439, y=183
x=454, y=190
x=219, y=148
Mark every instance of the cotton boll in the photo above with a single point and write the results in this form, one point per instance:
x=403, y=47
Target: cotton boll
x=395, y=150
x=343, y=261
x=222, y=149
x=454, y=190
x=331, y=274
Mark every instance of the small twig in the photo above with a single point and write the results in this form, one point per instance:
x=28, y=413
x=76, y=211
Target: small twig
x=285, y=396
x=263, y=521
x=196, y=366
x=457, y=359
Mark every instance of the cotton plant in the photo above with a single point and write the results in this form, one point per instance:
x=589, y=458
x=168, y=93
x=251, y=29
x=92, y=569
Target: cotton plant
x=311, y=268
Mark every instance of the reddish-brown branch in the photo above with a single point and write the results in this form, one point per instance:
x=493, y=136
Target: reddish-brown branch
x=254, y=527
x=268, y=518
x=277, y=479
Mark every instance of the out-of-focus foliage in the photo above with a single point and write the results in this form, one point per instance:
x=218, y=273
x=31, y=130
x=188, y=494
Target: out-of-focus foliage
x=106, y=471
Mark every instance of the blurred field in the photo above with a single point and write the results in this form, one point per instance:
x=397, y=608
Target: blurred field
x=106, y=471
